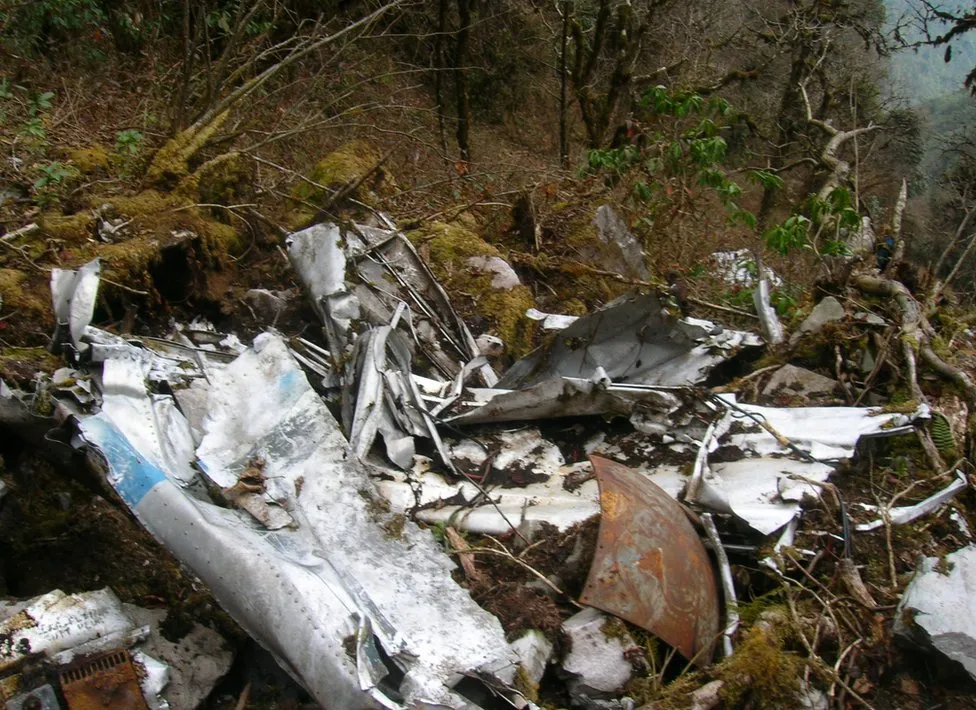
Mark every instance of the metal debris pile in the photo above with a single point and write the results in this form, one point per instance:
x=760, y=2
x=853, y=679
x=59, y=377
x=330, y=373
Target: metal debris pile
x=301, y=481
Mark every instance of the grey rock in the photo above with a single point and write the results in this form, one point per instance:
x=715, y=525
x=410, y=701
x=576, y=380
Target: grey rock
x=938, y=609
x=827, y=311
x=534, y=651
x=625, y=255
x=868, y=361
x=595, y=662
x=196, y=662
x=706, y=697
x=800, y=381
x=503, y=275
x=870, y=318
x=267, y=305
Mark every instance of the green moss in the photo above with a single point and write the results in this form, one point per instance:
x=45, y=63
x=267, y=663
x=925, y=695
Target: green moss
x=448, y=247
x=221, y=181
x=19, y=365
x=72, y=229
x=170, y=163
x=90, y=160
x=648, y=691
x=613, y=628
x=147, y=202
x=128, y=261
x=393, y=528
x=20, y=295
x=525, y=685
x=761, y=673
x=750, y=611
x=344, y=166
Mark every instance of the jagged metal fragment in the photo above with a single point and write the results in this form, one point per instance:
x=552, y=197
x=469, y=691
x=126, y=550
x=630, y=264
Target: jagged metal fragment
x=650, y=566
x=938, y=608
x=73, y=293
x=634, y=341
x=327, y=595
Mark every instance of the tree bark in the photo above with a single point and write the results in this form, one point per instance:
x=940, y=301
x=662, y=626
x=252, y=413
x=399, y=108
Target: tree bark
x=564, y=88
x=439, y=67
x=461, y=81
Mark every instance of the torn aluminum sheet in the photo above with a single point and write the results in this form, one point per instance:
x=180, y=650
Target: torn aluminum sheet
x=61, y=629
x=772, y=329
x=525, y=456
x=905, y=514
x=623, y=253
x=74, y=293
x=392, y=309
x=738, y=268
x=938, y=608
x=771, y=473
x=635, y=342
x=650, y=566
x=563, y=397
x=326, y=597
x=194, y=664
x=389, y=272
x=551, y=321
x=387, y=400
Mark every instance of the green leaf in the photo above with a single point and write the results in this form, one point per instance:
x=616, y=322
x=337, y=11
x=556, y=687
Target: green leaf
x=765, y=178
x=642, y=191
x=743, y=217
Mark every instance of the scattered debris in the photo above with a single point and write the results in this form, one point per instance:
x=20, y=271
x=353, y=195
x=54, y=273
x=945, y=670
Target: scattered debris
x=89, y=646
x=738, y=268
x=906, y=514
x=597, y=660
x=793, y=381
x=827, y=311
x=650, y=566
x=936, y=611
x=288, y=476
x=196, y=662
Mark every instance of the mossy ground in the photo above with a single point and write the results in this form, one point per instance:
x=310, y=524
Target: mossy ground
x=447, y=248
x=341, y=168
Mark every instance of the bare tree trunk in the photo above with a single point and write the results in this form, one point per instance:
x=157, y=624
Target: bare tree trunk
x=916, y=335
x=170, y=161
x=439, y=67
x=839, y=169
x=785, y=128
x=896, y=217
x=584, y=65
x=461, y=80
x=564, y=88
x=956, y=238
x=180, y=118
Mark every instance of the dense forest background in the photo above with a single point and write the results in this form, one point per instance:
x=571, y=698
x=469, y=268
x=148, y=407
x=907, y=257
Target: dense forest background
x=746, y=160
x=774, y=126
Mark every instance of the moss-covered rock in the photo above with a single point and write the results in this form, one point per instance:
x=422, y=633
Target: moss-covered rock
x=70, y=229
x=90, y=160
x=762, y=673
x=501, y=311
x=171, y=162
x=18, y=366
x=339, y=169
x=23, y=300
x=225, y=180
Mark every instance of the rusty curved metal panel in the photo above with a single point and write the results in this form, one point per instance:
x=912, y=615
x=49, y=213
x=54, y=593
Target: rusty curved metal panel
x=650, y=566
